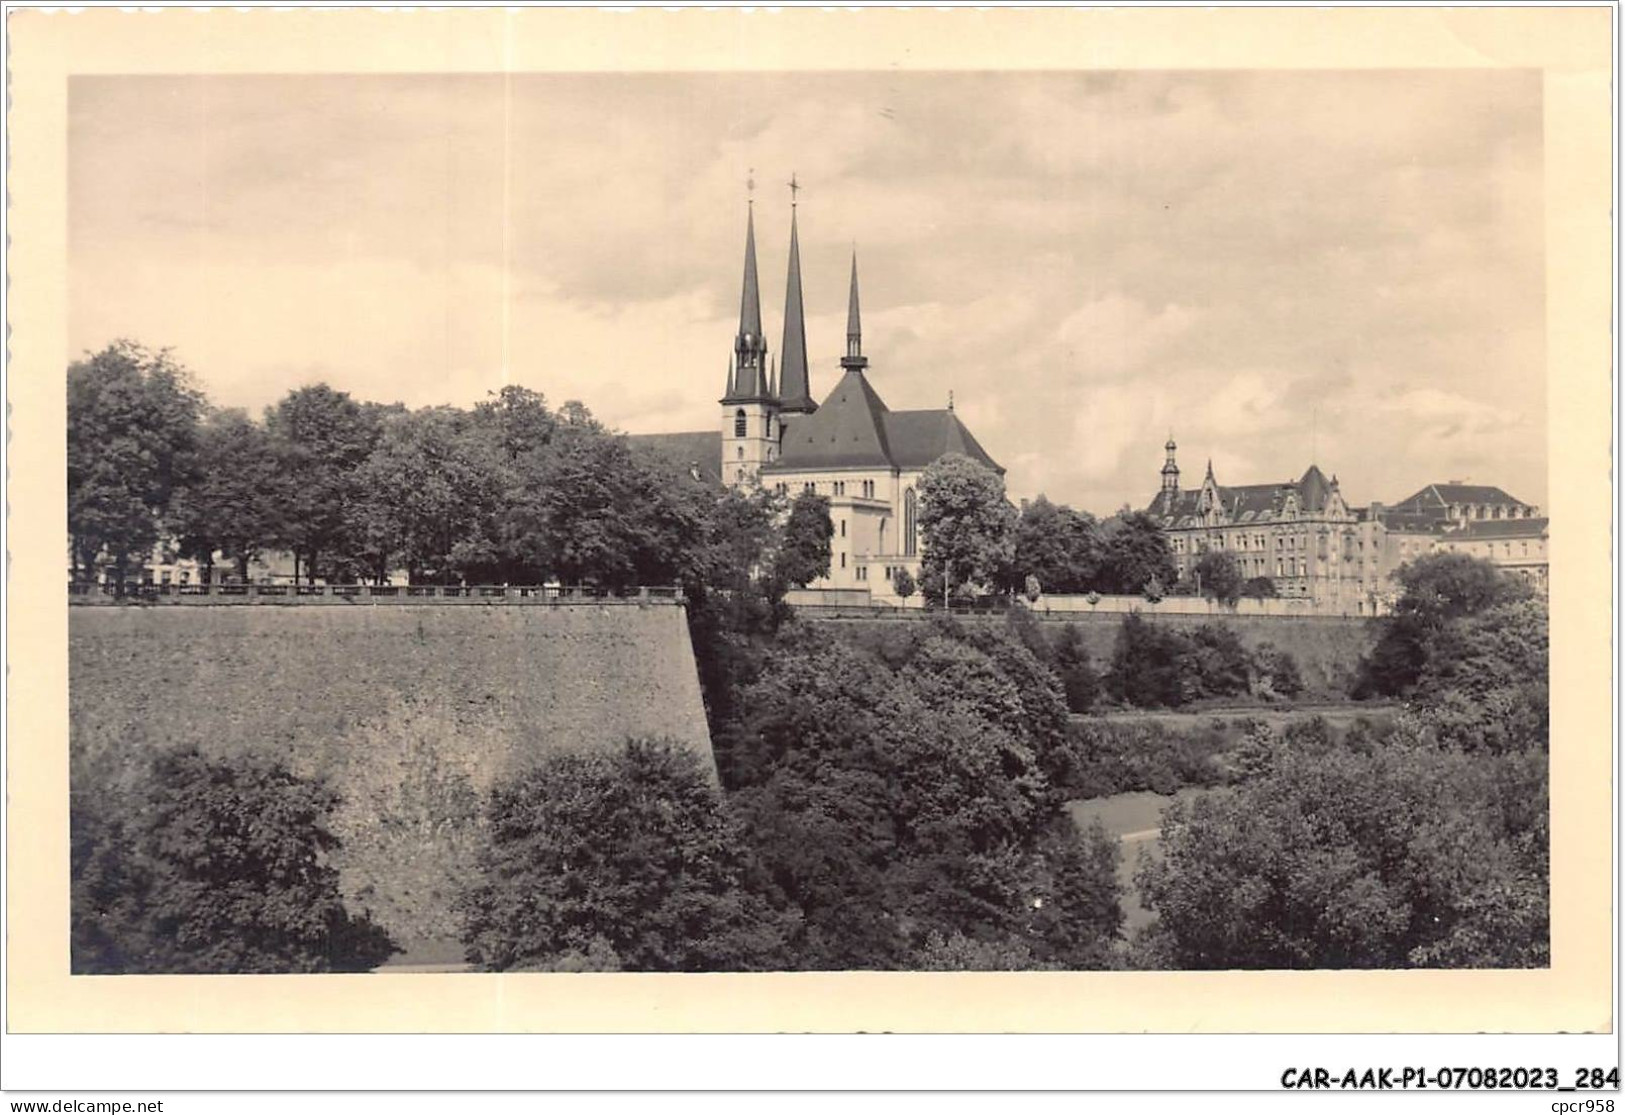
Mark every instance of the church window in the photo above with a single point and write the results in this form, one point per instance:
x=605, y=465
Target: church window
x=843, y=528
x=767, y=425
x=843, y=560
x=739, y=422
x=910, y=524
x=809, y=487
x=739, y=451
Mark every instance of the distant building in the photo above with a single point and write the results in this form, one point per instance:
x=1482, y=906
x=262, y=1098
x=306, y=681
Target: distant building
x=852, y=448
x=1484, y=522
x=1306, y=538
x=1301, y=534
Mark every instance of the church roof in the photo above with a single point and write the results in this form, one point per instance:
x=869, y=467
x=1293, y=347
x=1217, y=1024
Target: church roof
x=847, y=431
x=918, y=437
x=854, y=428
x=689, y=451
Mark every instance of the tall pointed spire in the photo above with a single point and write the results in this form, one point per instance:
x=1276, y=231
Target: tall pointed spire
x=794, y=386
x=750, y=297
x=854, y=359
x=750, y=347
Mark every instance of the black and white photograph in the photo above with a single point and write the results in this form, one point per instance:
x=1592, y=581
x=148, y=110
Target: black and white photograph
x=855, y=519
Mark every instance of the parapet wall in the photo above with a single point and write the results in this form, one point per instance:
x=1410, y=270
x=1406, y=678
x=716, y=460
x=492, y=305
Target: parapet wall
x=410, y=713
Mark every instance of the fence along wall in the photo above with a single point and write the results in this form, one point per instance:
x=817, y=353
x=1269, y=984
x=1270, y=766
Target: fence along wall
x=410, y=713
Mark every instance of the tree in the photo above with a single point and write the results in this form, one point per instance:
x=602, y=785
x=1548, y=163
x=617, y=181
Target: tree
x=1439, y=589
x=1276, y=671
x=803, y=551
x=1134, y=552
x=898, y=802
x=1259, y=588
x=212, y=866
x=427, y=496
x=518, y=421
x=1148, y=665
x=966, y=522
x=1073, y=667
x=132, y=441
x=595, y=511
x=1218, y=574
x=903, y=584
x=1057, y=545
x=321, y=436
x=1404, y=856
x=234, y=500
x=618, y=859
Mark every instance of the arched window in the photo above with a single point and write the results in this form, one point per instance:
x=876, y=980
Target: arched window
x=739, y=422
x=910, y=524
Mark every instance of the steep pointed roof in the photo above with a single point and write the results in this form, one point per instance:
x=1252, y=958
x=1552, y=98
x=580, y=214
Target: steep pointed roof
x=854, y=360
x=794, y=386
x=847, y=430
x=854, y=324
x=750, y=295
x=1313, y=489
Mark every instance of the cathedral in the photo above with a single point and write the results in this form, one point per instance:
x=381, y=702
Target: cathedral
x=851, y=448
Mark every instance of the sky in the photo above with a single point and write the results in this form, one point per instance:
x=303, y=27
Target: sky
x=1276, y=267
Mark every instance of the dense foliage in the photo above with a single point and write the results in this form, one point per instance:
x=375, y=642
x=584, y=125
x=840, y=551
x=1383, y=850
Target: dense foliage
x=902, y=803
x=967, y=527
x=510, y=491
x=209, y=866
x=621, y=861
x=1217, y=575
x=1426, y=845
x=132, y=443
x=1438, y=589
x=1155, y=665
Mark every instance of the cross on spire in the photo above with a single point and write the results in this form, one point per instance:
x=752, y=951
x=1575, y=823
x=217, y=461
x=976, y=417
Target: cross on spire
x=795, y=187
x=750, y=186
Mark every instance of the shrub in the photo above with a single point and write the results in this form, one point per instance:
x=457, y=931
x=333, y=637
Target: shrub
x=621, y=860
x=212, y=866
x=1072, y=666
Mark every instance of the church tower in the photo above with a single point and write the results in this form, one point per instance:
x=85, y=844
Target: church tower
x=750, y=405
x=1170, y=474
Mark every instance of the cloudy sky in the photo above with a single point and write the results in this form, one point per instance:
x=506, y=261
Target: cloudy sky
x=1277, y=267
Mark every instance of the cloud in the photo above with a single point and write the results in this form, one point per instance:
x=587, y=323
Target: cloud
x=1278, y=266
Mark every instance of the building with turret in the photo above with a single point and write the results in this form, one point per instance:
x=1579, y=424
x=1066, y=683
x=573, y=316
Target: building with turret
x=851, y=448
x=1306, y=538
x=1300, y=534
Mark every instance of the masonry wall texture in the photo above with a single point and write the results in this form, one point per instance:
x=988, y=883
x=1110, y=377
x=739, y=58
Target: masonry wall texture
x=1328, y=649
x=410, y=713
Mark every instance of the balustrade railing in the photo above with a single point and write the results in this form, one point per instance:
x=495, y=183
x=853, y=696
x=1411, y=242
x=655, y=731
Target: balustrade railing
x=371, y=594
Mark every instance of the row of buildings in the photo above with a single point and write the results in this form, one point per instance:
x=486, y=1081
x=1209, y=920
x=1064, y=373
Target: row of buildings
x=867, y=459
x=1314, y=546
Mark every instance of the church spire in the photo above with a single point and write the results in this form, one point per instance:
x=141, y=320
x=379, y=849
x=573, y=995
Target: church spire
x=795, y=388
x=749, y=380
x=854, y=360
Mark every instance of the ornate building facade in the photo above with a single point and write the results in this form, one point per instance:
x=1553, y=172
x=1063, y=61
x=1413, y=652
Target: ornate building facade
x=1306, y=538
x=851, y=448
x=1300, y=534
